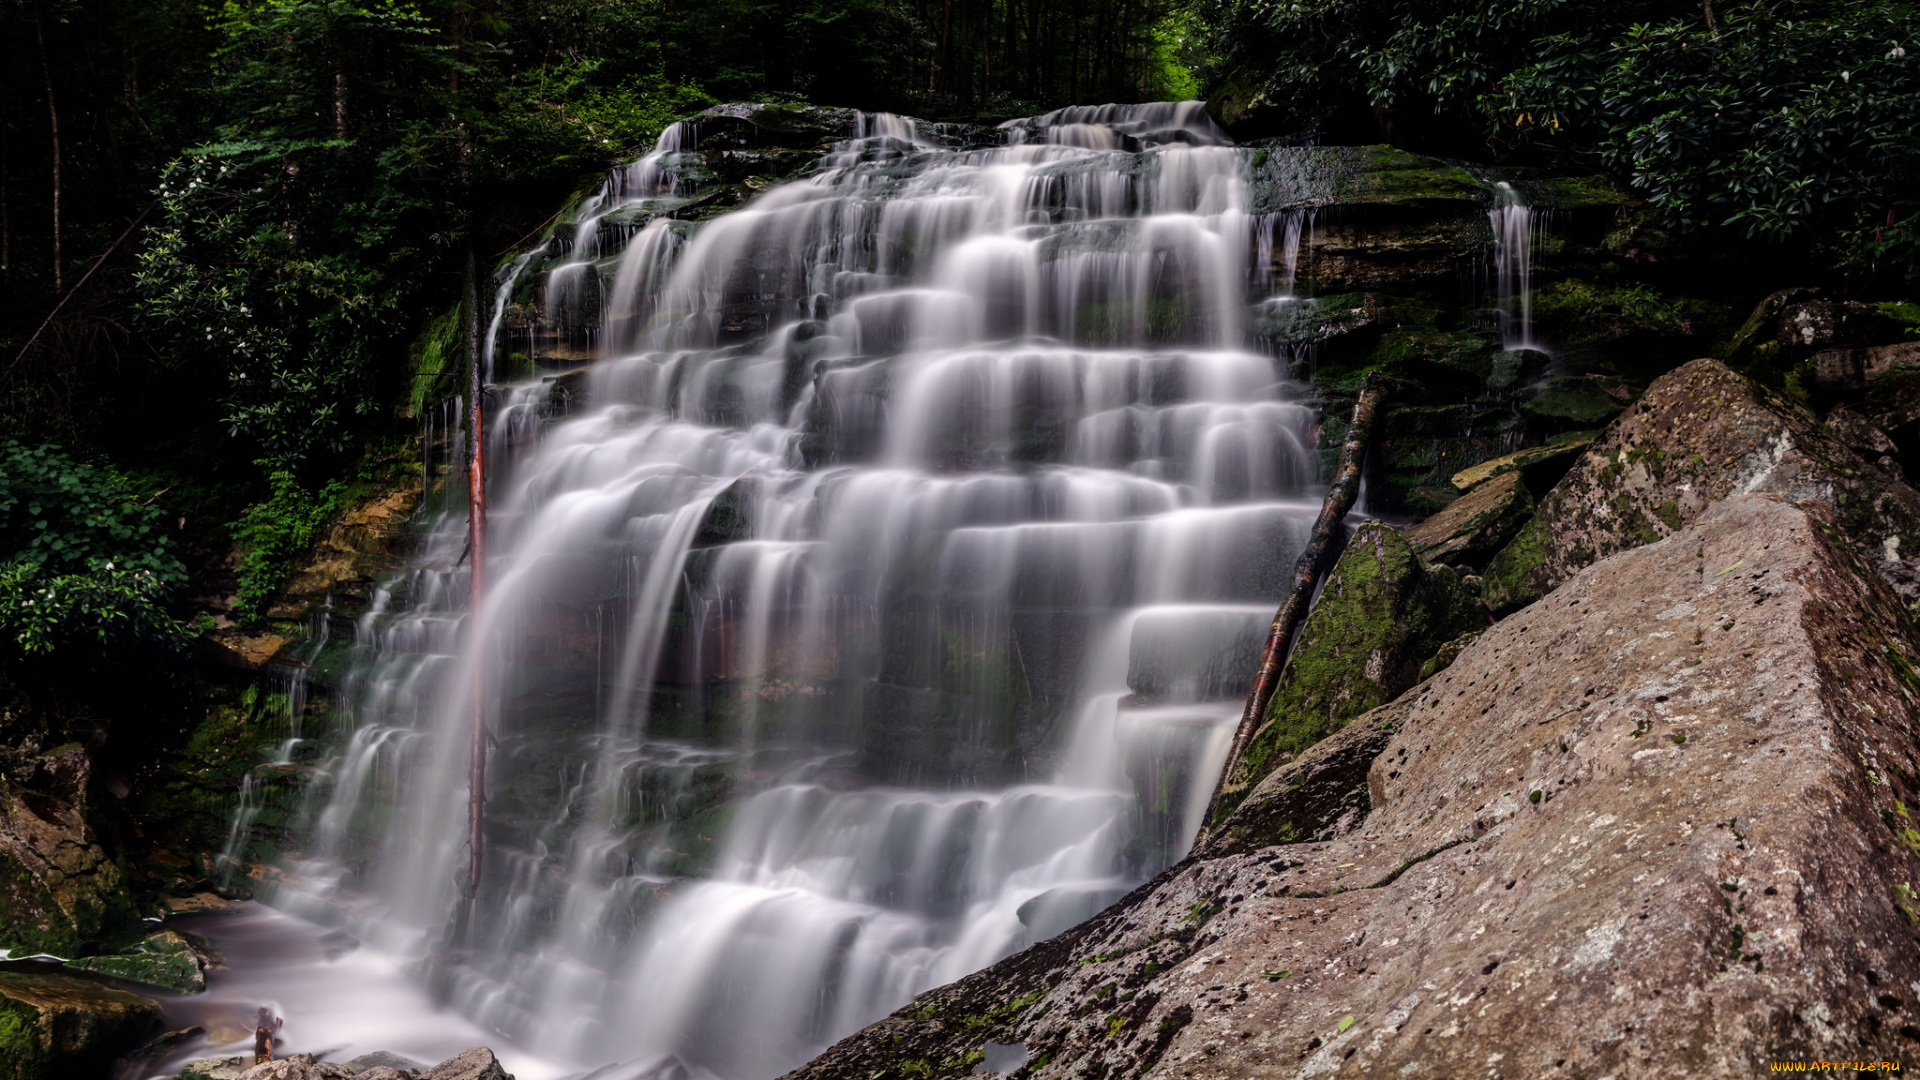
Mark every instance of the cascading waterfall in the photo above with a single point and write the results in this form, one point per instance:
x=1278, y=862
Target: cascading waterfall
x=1513, y=243
x=887, y=609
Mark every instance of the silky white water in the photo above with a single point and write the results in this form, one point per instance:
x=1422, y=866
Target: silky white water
x=884, y=609
x=1514, y=238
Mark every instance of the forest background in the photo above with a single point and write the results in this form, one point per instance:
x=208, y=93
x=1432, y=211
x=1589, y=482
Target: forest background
x=232, y=235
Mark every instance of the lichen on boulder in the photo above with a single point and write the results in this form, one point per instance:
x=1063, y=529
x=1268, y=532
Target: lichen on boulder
x=1702, y=433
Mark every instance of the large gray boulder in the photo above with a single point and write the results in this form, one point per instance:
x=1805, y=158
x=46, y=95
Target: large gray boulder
x=1659, y=824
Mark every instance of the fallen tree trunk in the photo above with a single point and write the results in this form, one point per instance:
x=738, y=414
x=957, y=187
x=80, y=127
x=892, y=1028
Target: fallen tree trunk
x=1321, y=550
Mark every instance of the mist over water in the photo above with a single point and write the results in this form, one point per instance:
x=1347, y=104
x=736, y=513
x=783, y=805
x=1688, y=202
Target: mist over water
x=885, y=608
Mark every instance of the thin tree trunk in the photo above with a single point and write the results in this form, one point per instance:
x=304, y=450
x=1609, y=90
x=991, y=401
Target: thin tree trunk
x=53, y=120
x=1322, y=547
x=476, y=501
x=476, y=565
x=68, y=295
x=6, y=185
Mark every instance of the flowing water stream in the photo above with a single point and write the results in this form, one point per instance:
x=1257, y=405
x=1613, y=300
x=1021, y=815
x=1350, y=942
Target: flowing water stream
x=885, y=607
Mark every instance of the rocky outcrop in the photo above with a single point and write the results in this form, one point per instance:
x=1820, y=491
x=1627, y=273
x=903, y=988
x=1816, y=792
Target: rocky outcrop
x=365, y=544
x=1699, y=434
x=1855, y=367
x=54, y=1027
x=1470, y=530
x=1380, y=615
x=476, y=1063
x=59, y=891
x=1658, y=824
x=1529, y=461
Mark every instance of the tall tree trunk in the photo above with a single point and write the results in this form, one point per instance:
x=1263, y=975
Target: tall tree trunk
x=53, y=122
x=986, y=54
x=1036, y=54
x=6, y=187
x=1010, y=56
x=476, y=567
x=946, y=45
x=476, y=495
x=340, y=105
x=1322, y=548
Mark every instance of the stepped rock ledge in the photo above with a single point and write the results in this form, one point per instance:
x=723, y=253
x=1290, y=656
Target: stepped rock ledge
x=1658, y=823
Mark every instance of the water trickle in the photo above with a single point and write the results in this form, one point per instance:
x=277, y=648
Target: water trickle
x=1514, y=239
x=887, y=608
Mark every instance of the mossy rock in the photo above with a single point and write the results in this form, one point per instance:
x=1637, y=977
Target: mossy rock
x=55, y=1027
x=1473, y=528
x=1597, y=191
x=60, y=892
x=1578, y=400
x=1386, y=175
x=1380, y=615
x=165, y=960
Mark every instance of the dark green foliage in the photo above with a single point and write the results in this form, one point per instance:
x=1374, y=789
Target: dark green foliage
x=42, y=611
x=271, y=534
x=1775, y=119
x=81, y=562
x=67, y=515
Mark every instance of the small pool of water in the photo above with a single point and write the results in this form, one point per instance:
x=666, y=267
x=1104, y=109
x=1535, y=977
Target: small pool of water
x=336, y=995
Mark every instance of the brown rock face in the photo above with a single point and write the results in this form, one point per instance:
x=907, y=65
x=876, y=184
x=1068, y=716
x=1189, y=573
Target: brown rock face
x=1702, y=433
x=366, y=542
x=59, y=892
x=1659, y=824
x=1474, y=527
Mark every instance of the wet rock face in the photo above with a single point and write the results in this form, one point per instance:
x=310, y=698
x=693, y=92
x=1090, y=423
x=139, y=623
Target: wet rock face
x=1657, y=824
x=54, y=1027
x=1702, y=433
x=1381, y=614
x=298, y=1067
x=475, y=1064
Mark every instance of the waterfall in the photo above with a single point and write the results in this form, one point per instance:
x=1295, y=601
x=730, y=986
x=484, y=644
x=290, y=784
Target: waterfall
x=1513, y=242
x=886, y=608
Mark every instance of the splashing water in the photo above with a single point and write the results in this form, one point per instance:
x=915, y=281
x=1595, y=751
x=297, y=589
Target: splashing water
x=886, y=610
